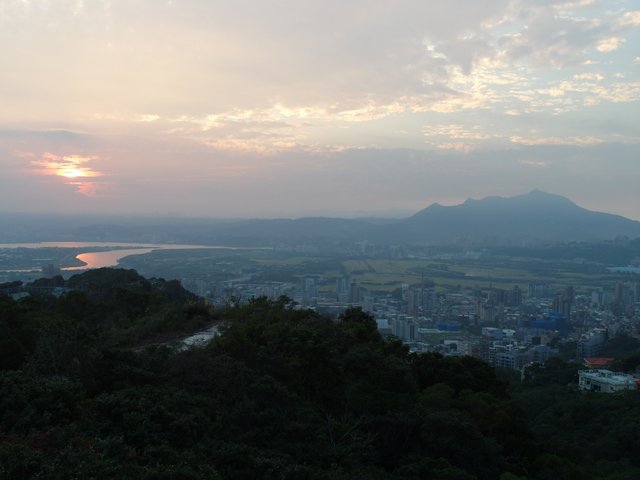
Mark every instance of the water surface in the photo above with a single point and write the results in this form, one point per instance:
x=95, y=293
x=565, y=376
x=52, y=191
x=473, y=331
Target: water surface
x=113, y=252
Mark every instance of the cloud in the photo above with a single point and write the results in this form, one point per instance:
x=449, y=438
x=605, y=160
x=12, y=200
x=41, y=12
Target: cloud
x=202, y=54
x=197, y=95
x=587, y=89
x=535, y=163
x=90, y=189
x=610, y=44
x=550, y=140
x=212, y=62
x=73, y=168
x=68, y=166
x=589, y=76
x=557, y=35
x=630, y=19
x=456, y=137
x=167, y=175
x=457, y=131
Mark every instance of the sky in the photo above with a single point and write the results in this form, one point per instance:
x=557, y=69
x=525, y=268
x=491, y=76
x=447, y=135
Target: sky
x=289, y=108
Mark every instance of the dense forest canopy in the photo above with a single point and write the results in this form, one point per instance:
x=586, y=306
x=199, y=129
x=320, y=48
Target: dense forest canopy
x=92, y=386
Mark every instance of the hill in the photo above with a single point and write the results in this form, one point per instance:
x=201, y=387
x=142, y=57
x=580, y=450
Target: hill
x=533, y=217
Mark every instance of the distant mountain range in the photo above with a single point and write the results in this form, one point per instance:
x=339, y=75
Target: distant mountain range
x=533, y=218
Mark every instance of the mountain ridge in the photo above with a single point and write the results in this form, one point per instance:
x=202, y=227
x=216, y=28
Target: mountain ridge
x=533, y=217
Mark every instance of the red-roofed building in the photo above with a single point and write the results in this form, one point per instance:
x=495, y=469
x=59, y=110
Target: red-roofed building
x=595, y=363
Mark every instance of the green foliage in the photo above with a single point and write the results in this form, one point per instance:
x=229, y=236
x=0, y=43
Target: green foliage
x=18, y=333
x=31, y=403
x=461, y=373
x=586, y=434
x=282, y=393
x=101, y=308
x=621, y=346
x=554, y=371
x=53, y=282
x=629, y=363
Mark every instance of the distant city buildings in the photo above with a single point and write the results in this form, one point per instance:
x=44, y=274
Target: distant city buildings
x=50, y=270
x=508, y=327
x=540, y=290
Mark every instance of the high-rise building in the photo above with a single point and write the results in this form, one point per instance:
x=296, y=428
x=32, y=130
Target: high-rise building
x=591, y=343
x=597, y=296
x=515, y=297
x=540, y=290
x=563, y=303
x=354, y=294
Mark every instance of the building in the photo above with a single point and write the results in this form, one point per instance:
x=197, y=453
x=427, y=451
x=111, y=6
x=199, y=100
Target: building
x=405, y=328
x=540, y=290
x=598, y=297
x=515, y=296
x=563, y=303
x=487, y=313
x=605, y=381
x=507, y=356
x=50, y=270
x=354, y=293
x=551, y=321
x=342, y=288
x=590, y=344
x=596, y=363
x=541, y=353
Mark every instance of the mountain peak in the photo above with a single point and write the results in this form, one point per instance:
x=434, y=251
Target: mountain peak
x=533, y=199
x=540, y=196
x=536, y=215
x=536, y=193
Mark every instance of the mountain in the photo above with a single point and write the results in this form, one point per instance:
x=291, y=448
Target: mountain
x=533, y=217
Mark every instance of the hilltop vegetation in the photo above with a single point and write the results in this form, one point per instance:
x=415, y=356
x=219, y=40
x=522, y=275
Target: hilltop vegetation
x=99, y=308
x=282, y=393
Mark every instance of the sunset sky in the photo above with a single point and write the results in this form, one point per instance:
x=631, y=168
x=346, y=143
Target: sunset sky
x=285, y=108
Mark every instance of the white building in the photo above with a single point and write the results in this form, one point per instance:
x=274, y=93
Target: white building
x=605, y=381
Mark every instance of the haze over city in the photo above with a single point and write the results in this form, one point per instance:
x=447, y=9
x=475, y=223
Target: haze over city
x=261, y=109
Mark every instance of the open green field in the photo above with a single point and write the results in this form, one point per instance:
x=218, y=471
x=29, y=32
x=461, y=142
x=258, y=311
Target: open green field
x=292, y=261
x=389, y=274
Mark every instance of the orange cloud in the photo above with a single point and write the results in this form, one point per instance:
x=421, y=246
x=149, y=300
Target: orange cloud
x=89, y=189
x=72, y=167
x=68, y=166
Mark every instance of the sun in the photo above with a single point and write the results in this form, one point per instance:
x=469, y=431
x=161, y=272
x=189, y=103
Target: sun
x=72, y=172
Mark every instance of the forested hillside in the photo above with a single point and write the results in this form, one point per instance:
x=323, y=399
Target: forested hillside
x=92, y=388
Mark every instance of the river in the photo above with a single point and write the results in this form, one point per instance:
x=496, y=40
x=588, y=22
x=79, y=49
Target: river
x=110, y=257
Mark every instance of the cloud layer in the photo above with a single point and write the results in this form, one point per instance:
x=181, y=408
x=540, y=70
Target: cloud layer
x=244, y=99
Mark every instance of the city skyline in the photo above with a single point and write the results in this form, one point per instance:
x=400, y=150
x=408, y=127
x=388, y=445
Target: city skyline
x=243, y=109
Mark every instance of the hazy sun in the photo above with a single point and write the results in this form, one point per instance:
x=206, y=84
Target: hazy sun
x=71, y=172
x=67, y=166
